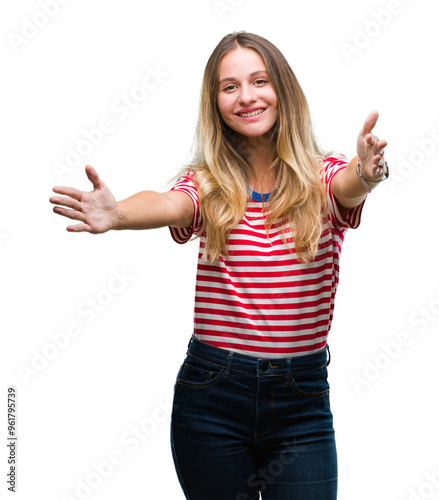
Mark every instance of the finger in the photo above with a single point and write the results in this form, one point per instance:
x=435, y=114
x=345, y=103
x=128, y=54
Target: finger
x=71, y=214
x=381, y=145
x=377, y=144
x=65, y=202
x=378, y=147
x=93, y=177
x=376, y=170
x=78, y=228
x=68, y=191
x=369, y=123
x=370, y=139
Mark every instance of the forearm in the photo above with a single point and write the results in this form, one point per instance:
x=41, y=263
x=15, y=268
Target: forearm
x=347, y=186
x=145, y=210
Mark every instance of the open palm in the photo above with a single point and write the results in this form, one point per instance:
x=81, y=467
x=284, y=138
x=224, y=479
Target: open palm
x=370, y=149
x=96, y=210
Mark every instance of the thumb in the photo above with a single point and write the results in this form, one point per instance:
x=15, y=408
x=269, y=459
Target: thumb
x=370, y=122
x=93, y=177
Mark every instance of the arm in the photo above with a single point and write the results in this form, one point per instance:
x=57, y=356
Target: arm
x=99, y=212
x=149, y=210
x=346, y=185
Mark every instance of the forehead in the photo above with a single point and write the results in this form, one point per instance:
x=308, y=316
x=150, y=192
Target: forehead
x=240, y=63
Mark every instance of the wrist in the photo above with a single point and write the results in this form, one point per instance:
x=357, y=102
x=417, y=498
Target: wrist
x=370, y=184
x=119, y=218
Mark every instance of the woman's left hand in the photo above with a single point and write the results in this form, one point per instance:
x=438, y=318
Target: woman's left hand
x=370, y=149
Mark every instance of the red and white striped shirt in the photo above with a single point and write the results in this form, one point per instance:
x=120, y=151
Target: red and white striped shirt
x=261, y=301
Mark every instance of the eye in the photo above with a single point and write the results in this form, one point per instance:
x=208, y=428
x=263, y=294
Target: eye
x=261, y=82
x=229, y=87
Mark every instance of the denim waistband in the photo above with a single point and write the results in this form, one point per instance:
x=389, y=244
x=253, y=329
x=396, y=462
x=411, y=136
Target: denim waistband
x=257, y=366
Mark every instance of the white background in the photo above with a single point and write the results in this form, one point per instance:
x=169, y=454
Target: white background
x=118, y=371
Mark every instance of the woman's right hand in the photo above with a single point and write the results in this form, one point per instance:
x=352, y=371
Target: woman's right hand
x=96, y=209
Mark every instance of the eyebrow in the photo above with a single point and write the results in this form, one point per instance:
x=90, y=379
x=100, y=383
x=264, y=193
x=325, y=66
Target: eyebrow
x=230, y=78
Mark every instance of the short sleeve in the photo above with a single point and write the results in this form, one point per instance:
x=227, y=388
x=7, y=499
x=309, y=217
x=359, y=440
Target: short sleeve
x=331, y=165
x=187, y=185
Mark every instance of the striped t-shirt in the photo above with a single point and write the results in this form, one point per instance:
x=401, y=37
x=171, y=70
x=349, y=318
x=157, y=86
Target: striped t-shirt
x=261, y=301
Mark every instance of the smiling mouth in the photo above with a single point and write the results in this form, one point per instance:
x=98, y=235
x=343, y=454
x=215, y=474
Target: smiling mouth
x=253, y=113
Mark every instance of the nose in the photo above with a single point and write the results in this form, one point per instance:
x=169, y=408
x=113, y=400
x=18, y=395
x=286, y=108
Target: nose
x=247, y=95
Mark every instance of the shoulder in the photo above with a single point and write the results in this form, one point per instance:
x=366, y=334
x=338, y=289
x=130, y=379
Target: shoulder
x=186, y=176
x=193, y=173
x=332, y=159
x=331, y=163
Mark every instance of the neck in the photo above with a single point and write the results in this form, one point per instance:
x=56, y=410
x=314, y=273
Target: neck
x=261, y=156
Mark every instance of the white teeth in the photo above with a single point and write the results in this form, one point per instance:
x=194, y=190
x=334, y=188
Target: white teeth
x=253, y=113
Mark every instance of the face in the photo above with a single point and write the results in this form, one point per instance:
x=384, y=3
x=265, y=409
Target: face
x=246, y=98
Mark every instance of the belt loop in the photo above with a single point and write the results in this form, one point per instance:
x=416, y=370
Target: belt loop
x=229, y=365
x=329, y=355
x=288, y=375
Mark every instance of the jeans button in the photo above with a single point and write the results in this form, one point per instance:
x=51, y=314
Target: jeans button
x=264, y=366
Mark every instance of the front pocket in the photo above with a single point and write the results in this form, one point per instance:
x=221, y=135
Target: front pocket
x=312, y=383
x=196, y=374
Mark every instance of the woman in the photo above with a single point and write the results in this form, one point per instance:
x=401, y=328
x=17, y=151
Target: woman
x=251, y=407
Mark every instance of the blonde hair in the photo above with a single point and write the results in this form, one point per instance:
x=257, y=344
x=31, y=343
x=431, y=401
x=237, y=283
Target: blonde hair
x=222, y=170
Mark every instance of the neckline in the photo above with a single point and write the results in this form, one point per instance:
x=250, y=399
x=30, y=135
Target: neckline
x=260, y=196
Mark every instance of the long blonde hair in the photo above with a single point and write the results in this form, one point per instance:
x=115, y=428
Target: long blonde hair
x=221, y=162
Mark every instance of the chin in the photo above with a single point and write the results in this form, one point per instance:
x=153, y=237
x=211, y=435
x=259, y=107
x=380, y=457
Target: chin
x=255, y=134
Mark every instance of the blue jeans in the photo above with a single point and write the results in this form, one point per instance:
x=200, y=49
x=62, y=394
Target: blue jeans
x=243, y=426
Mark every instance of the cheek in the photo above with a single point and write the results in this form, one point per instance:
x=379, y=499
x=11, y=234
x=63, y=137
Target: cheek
x=275, y=107
x=226, y=112
x=273, y=100
x=224, y=106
